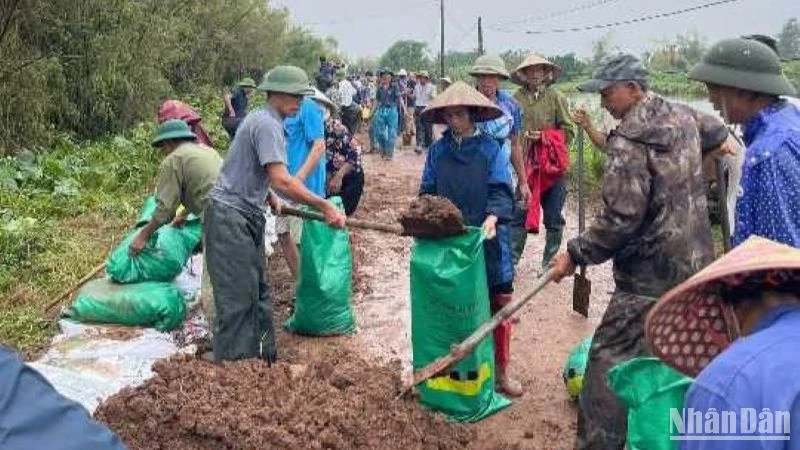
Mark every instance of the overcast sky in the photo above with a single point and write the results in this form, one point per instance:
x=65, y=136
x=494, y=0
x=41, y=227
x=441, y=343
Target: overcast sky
x=369, y=27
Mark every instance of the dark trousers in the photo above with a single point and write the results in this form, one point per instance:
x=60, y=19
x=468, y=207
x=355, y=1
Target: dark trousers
x=552, y=202
x=602, y=419
x=231, y=124
x=234, y=252
x=352, y=188
x=350, y=117
x=424, y=128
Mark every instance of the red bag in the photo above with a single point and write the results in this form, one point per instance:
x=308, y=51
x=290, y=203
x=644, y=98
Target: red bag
x=547, y=162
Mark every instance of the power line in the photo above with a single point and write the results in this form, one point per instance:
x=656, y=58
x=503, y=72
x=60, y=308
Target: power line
x=621, y=22
x=555, y=14
x=460, y=40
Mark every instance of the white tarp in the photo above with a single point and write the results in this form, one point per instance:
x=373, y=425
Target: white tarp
x=89, y=363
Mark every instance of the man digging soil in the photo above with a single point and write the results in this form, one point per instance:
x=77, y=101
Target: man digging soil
x=234, y=226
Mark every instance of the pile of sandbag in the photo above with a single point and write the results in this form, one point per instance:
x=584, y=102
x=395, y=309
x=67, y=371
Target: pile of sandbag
x=139, y=289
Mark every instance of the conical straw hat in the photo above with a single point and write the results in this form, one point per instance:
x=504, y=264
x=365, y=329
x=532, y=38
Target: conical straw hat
x=461, y=94
x=530, y=61
x=688, y=327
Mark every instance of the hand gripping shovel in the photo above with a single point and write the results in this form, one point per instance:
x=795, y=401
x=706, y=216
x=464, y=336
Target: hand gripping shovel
x=582, y=287
x=350, y=223
x=427, y=217
x=460, y=351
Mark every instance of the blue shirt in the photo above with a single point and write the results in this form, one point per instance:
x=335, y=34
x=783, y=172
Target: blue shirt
x=770, y=203
x=758, y=371
x=305, y=127
x=474, y=175
x=506, y=126
x=239, y=102
x=388, y=96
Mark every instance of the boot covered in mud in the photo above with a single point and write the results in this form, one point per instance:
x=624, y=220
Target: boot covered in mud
x=552, y=243
x=502, y=350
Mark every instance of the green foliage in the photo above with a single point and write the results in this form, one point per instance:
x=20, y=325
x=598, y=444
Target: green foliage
x=409, y=55
x=24, y=329
x=676, y=84
x=789, y=39
x=303, y=49
x=792, y=71
x=91, y=68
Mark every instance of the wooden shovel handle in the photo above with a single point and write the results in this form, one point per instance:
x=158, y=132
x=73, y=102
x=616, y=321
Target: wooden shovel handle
x=463, y=349
x=350, y=223
x=58, y=300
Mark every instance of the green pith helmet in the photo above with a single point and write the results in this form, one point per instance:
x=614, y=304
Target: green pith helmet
x=341, y=73
x=172, y=129
x=287, y=80
x=744, y=64
x=490, y=65
x=247, y=82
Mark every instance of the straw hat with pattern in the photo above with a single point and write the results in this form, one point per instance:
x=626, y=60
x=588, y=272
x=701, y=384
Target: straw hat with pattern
x=461, y=94
x=689, y=325
x=534, y=60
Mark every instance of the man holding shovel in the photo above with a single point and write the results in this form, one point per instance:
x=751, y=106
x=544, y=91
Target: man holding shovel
x=654, y=224
x=234, y=219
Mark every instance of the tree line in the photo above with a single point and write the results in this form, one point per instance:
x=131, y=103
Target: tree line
x=94, y=67
x=669, y=56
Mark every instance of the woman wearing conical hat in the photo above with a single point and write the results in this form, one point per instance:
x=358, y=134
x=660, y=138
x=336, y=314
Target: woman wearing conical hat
x=734, y=327
x=543, y=109
x=468, y=167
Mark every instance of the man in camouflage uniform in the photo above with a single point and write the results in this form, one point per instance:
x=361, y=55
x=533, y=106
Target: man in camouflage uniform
x=654, y=224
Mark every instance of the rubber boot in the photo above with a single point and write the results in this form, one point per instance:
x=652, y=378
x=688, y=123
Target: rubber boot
x=551, y=245
x=502, y=350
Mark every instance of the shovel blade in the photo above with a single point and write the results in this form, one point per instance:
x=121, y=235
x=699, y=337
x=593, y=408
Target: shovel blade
x=581, y=291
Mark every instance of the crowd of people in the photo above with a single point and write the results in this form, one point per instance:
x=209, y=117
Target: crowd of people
x=502, y=159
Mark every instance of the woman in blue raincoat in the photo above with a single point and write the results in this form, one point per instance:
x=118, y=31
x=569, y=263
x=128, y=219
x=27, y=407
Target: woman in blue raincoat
x=385, y=119
x=468, y=167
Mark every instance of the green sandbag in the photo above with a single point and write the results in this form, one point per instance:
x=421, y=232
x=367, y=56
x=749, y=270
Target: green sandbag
x=159, y=305
x=325, y=286
x=163, y=257
x=147, y=211
x=649, y=388
x=449, y=301
x=575, y=368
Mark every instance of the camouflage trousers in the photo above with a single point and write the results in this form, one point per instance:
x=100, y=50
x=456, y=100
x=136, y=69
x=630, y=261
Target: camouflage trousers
x=602, y=419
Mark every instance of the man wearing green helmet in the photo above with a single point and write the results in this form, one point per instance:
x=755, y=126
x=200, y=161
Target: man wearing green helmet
x=235, y=103
x=234, y=219
x=745, y=82
x=185, y=176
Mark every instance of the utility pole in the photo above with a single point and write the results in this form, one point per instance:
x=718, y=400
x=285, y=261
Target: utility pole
x=480, y=37
x=441, y=49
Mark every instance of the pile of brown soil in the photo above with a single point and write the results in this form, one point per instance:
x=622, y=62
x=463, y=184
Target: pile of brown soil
x=429, y=216
x=338, y=401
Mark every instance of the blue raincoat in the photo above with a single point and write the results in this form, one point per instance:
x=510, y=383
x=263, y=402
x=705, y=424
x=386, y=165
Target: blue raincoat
x=33, y=415
x=474, y=175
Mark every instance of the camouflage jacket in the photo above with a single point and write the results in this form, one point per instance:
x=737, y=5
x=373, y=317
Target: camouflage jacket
x=654, y=221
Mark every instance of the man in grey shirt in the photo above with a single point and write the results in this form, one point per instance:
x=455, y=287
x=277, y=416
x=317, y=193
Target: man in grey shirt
x=234, y=220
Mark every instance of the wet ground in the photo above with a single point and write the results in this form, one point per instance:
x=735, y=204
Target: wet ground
x=547, y=330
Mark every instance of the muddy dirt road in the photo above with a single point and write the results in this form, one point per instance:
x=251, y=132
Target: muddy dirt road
x=543, y=418
x=321, y=395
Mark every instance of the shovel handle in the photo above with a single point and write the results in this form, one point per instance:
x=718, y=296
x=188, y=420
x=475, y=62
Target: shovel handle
x=350, y=223
x=460, y=351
